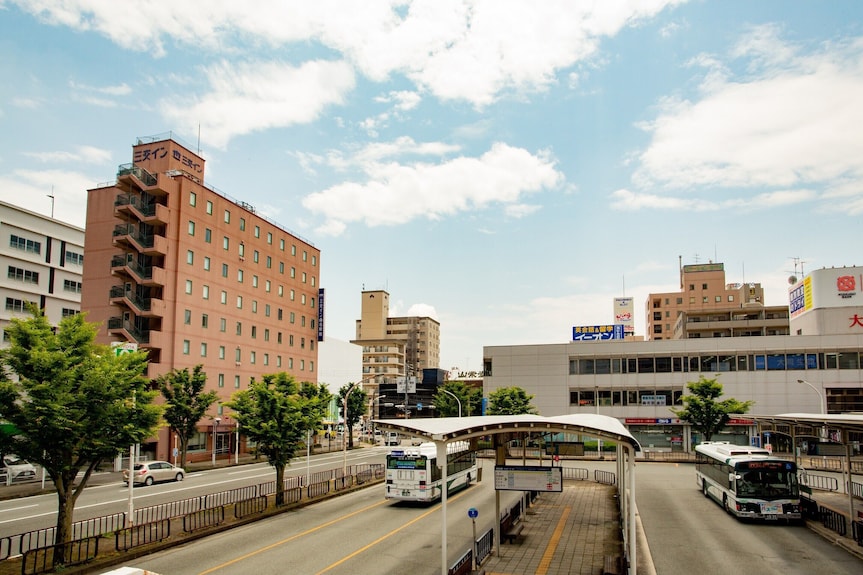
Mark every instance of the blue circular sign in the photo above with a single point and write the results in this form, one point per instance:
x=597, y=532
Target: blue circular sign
x=472, y=513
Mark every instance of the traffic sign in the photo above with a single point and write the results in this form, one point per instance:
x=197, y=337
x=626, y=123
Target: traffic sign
x=472, y=513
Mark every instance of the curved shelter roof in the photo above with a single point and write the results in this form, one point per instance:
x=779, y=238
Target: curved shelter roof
x=841, y=421
x=457, y=428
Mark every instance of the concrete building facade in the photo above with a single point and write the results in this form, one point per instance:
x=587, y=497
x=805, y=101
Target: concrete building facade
x=193, y=277
x=42, y=261
x=638, y=382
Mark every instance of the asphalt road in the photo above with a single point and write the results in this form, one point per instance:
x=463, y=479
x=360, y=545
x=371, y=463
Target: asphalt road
x=689, y=533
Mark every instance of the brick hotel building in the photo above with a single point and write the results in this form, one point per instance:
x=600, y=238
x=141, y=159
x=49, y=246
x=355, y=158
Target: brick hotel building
x=194, y=276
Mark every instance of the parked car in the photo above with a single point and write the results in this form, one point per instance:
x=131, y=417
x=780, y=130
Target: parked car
x=16, y=469
x=392, y=438
x=150, y=472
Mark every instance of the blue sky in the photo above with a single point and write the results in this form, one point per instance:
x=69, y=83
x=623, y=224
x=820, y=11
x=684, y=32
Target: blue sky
x=506, y=167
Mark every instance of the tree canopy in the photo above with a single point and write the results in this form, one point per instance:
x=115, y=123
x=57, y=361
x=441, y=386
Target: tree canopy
x=357, y=407
x=275, y=413
x=74, y=403
x=510, y=401
x=187, y=402
x=704, y=411
x=446, y=405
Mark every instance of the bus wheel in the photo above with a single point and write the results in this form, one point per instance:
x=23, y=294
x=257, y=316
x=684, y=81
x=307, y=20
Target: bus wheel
x=725, y=504
x=468, y=480
x=704, y=488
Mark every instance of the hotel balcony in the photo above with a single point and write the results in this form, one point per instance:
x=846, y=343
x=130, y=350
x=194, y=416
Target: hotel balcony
x=131, y=174
x=144, y=307
x=135, y=238
x=131, y=204
x=125, y=265
x=117, y=326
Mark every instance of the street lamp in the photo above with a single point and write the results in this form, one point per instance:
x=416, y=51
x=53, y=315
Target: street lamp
x=215, y=434
x=820, y=395
x=345, y=432
x=456, y=398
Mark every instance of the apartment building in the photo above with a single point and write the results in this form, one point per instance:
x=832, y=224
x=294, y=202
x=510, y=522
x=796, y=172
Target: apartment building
x=707, y=306
x=194, y=276
x=818, y=369
x=394, y=347
x=43, y=260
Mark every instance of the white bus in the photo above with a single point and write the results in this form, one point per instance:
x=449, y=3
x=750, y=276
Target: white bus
x=413, y=473
x=748, y=481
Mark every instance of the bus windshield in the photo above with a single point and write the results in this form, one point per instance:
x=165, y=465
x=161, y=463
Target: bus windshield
x=766, y=479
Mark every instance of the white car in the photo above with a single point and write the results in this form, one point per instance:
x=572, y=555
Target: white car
x=16, y=469
x=150, y=472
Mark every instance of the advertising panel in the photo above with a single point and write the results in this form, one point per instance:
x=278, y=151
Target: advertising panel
x=597, y=332
x=520, y=478
x=827, y=288
x=320, y=314
x=624, y=314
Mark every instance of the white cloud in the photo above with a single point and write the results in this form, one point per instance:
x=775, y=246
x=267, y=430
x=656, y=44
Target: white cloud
x=784, y=125
x=117, y=90
x=253, y=96
x=472, y=50
x=422, y=310
x=89, y=154
x=30, y=189
x=396, y=193
x=626, y=200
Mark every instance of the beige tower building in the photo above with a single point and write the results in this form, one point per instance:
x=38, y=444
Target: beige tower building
x=193, y=276
x=706, y=306
x=394, y=347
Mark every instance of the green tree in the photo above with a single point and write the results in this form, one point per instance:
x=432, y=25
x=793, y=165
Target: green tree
x=187, y=402
x=275, y=413
x=704, y=411
x=357, y=407
x=510, y=401
x=447, y=406
x=74, y=403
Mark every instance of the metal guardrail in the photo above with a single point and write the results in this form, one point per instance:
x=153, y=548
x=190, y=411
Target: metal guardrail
x=820, y=482
x=484, y=546
x=41, y=559
x=576, y=473
x=605, y=477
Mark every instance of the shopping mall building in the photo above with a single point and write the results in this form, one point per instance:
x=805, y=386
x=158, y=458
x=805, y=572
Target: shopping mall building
x=814, y=367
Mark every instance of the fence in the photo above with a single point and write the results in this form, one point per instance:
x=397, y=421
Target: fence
x=152, y=524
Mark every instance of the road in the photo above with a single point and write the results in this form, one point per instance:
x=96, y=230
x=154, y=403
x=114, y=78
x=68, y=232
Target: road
x=360, y=532
x=40, y=511
x=688, y=532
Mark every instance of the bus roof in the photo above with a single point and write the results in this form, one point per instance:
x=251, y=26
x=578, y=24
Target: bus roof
x=725, y=451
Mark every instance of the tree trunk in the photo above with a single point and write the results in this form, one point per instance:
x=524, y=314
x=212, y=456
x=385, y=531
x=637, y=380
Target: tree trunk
x=280, y=485
x=66, y=498
x=184, y=445
x=350, y=436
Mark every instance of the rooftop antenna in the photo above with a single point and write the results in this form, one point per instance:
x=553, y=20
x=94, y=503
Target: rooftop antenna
x=623, y=277
x=199, y=138
x=793, y=278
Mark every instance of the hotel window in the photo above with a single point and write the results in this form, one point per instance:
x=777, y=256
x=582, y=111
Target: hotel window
x=205, y=293
x=223, y=324
x=691, y=300
x=731, y=298
x=293, y=317
x=302, y=365
x=267, y=286
x=291, y=340
x=208, y=235
x=193, y=199
x=254, y=281
x=303, y=321
x=191, y=228
x=239, y=302
x=187, y=317
x=305, y=256
x=704, y=299
x=293, y=250
x=267, y=310
x=266, y=334
x=237, y=382
x=242, y=250
x=242, y=224
x=280, y=314
x=224, y=270
x=221, y=352
x=203, y=349
x=209, y=207
x=304, y=277
x=227, y=217
x=703, y=286
x=226, y=243
x=224, y=297
x=269, y=238
x=691, y=287
x=186, y=346
x=281, y=290
x=190, y=257
x=237, y=356
x=257, y=231
x=239, y=328
x=302, y=343
x=221, y=380
x=314, y=260
x=266, y=359
x=205, y=321
x=303, y=299
x=254, y=306
x=207, y=263
x=253, y=355
x=189, y=287
x=718, y=299
x=293, y=272
x=282, y=244
x=290, y=363
x=240, y=276
x=313, y=281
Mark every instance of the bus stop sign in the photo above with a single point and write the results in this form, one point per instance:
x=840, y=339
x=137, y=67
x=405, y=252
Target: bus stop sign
x=472, y=513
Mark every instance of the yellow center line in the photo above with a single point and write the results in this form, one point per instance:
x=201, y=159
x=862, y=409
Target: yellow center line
x=545, y=562
x=385, y=537
x=291, y=538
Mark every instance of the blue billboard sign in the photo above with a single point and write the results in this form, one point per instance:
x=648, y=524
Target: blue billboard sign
x=597, y=332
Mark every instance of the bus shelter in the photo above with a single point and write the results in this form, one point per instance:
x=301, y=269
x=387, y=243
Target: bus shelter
x=834, y=428
x=504, y=428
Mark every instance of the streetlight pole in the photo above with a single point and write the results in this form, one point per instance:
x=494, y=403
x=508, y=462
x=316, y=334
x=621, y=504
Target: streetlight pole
x=820, y=395
x=215, y=435
x=456, y=398
x=345, y=432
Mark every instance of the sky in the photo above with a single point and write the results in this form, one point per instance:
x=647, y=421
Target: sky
x=506, y=167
